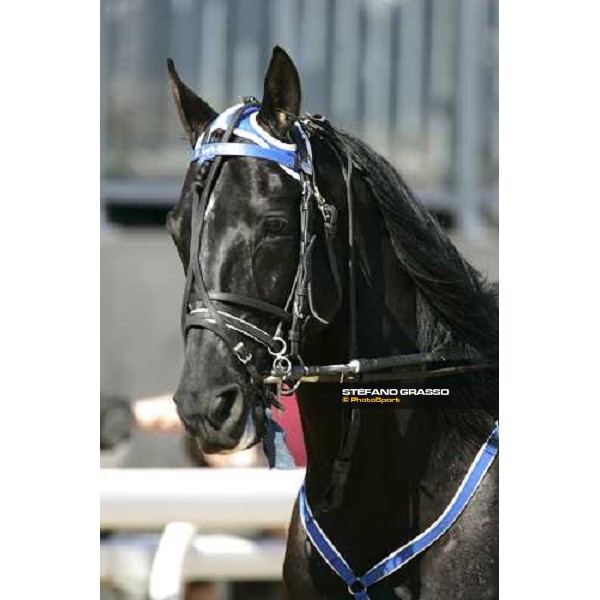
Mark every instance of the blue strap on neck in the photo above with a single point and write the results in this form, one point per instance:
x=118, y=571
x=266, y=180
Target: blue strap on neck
x=358, y=586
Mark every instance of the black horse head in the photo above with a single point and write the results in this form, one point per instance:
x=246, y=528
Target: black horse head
x=249, y=247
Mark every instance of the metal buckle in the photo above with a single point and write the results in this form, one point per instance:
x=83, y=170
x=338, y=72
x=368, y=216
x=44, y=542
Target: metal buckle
x=237, y=350
x=306, y=166
x=351, y=376
x=329, y=213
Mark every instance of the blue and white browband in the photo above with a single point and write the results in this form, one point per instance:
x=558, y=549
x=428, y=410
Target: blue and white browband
x=264, y=145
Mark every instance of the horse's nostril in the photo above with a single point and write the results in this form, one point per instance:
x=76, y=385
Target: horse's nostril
x=222, y=405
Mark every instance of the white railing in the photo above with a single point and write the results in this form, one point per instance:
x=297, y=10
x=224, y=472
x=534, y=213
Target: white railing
x=187, y=505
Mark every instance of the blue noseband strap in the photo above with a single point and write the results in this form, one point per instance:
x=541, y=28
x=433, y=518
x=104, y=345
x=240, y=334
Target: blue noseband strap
x=209, y=151
x=357, y=586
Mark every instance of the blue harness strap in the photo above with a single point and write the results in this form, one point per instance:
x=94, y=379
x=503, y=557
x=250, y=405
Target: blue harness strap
x=209, y=151
x=263, y=145
x=326, y=549
x=397, y=559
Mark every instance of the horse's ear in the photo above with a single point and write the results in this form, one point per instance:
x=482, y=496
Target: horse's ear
x=193, y=111
x=281, y=97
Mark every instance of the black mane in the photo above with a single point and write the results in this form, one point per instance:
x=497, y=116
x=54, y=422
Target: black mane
x=456, y=306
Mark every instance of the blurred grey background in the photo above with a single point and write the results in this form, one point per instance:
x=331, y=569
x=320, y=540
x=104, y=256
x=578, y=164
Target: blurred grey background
x=417, y=79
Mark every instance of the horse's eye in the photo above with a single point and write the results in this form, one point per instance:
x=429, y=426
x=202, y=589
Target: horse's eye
x=275, y=226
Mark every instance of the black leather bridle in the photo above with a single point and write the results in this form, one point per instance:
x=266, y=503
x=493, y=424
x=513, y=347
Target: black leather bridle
x=203, y=313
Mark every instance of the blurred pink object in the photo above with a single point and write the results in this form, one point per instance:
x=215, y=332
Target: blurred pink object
x=289, y=419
